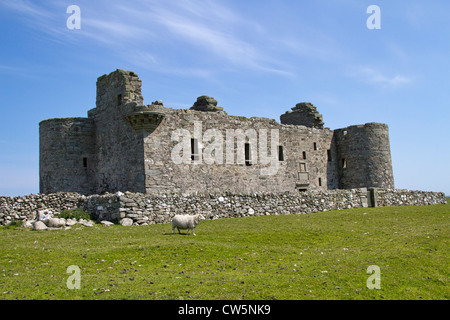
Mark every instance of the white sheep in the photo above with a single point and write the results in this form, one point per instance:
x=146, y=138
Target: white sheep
x=186, y=222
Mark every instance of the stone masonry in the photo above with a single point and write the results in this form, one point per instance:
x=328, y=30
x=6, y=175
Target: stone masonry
x=146, y=209
x=125, y=145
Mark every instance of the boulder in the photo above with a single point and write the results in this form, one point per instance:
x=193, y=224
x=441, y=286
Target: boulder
x=126, y=222
x=28, y=224
x=39, y=225
x=44, y=215
x=56, y=223
x=87, y=223
x=71, y=222
x=106, y=223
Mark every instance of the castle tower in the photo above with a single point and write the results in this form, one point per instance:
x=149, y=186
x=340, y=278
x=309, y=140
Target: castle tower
x=364, y=156
x=120, y=148
x=66, y=155
x=117, y=89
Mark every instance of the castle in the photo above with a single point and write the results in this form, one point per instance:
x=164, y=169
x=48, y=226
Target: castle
x=124, y=145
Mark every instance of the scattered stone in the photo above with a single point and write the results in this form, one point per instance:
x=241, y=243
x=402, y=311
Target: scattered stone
x=28, y=224
x=39, y=225
x=126, y=222
x=71, y=222
x=56, y=223
x=106, y=223
x=87, y=223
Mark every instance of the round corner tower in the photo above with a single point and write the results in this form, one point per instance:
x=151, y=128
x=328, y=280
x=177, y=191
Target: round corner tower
x=66, y=155
x=364, y=156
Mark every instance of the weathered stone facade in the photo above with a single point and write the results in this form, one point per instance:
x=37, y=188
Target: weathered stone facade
x=124, y=145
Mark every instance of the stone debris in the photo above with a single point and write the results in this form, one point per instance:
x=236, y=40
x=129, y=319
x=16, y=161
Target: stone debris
x=39, y=225
x=205, y=103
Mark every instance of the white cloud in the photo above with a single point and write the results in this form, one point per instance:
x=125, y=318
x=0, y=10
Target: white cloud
x=209, y=27
x=209, y=33
x=26, y=8
x=377, y=77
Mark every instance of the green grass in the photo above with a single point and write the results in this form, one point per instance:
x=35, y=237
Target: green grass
x=75, y=213
x=314, y=256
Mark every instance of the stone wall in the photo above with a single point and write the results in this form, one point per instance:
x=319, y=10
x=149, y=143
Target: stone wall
x=26, y=207
x=146, y=209
x=306, y=163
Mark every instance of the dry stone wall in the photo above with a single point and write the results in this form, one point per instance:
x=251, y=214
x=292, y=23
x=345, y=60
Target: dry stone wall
x=145, y=209
x=27, y=207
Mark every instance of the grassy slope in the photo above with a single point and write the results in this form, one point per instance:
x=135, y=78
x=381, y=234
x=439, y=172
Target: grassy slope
x=315, y=256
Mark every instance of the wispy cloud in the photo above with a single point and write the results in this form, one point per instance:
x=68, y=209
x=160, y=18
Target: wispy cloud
x=198, y=36
x=211, y=29
x=377, y=77
x=42, y=18
x=25, y=7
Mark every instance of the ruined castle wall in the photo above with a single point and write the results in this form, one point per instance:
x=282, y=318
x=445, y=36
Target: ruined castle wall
x=119, y=149
x=304, y=163
x=125, y=145
x=364, y=156
x=66, y=155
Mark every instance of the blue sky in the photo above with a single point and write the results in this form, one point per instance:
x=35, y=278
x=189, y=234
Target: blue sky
x=256, y=57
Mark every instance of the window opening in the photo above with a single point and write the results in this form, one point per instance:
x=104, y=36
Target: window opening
x=302, y=167
x=248, y=155
x=280, y=153
x=194, y=149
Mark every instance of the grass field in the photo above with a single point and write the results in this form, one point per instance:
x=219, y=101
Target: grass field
x=315, y=256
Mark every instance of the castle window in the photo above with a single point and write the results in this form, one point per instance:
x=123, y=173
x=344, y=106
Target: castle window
x=304, y=155
x=329, y=155
x=84, y=162
x=345, y=132
x=280, y=153
x=302, y=167
x=248, y=155
x=320, y=182
x=119, y=99
x=194, y=150
x=344, y=163
x=315, y=146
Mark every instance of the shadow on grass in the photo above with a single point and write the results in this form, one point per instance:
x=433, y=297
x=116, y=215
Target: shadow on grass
x=175, y=234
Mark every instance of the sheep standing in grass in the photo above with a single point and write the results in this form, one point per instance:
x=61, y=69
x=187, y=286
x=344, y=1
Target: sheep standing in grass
x=186, y=222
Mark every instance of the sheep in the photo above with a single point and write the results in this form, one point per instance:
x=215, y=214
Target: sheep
x=186, y=222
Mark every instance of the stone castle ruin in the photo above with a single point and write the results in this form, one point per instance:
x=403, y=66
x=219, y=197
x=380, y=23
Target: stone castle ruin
x=124, y=145
x=139, y=164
